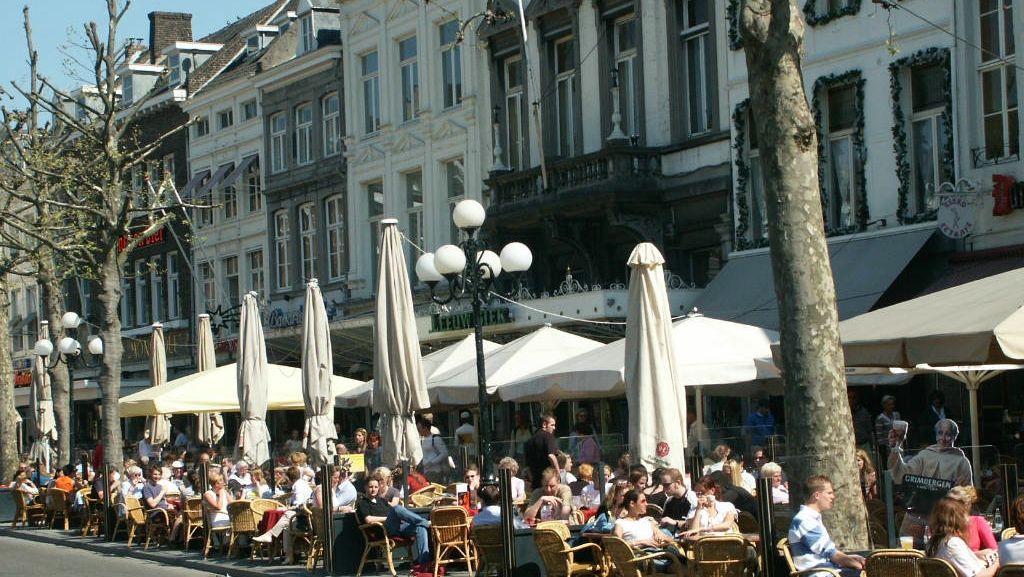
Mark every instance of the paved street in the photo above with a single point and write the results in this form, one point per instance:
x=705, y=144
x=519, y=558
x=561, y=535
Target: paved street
x=22, y=557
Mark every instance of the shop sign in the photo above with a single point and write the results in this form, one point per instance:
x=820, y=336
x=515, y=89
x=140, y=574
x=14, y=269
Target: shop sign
x=23, y=378
x=441, y=322
x=153, y=239
x=1008, y=194
x=176, y=344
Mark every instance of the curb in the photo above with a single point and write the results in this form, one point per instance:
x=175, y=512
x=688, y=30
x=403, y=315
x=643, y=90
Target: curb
x=232, y=568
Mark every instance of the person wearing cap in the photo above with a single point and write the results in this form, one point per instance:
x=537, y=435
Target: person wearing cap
x=465, y=434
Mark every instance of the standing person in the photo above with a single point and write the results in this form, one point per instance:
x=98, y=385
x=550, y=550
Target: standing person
x=949, y=527
x=146, y=451
x=883, y=424
x=542, y=450
x=583, y=444
x=374, y=453
x=809, y=541
x=759, y=425
x=465, y=435
x=294, y=442
x=863, y=432
x=435, y=453
x=521, y=434
x=936, y=412
x=181, y=439
x=697, y=436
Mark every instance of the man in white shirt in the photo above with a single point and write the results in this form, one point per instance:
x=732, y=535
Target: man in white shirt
x=465, y=434
x=301, y=493
x=145, y=449
x=242, y=477
x=435, y=453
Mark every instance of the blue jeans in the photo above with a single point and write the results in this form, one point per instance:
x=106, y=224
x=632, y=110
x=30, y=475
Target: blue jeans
x=401, y=521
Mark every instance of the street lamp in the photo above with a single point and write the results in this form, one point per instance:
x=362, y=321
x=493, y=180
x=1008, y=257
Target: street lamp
x=69, y=352
x=470, y=270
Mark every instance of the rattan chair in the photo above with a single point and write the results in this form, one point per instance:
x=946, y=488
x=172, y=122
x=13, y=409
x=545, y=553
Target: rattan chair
x=194, y=519
x=557, y=526
x=1007, y=533
x=488, y=542
x=1010, y=571
x=627, y=563
x=449, y=527
x=892, y=563
x=426, y=496
x=721, y=556
x=283, y=498
x=56, y=502
x=244, y=521
x=560, y=560
x=316, y=540
x=655, y=511
x=935, y=567
x=135, y=517
x=224, y=531
x=747, y=523
x=92, y=516
x=25, y=511
x=783, y=550
x=302, y=537
x=158, y=526
x=383, y=545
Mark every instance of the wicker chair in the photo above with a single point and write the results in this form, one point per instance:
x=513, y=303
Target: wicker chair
x=193, y=518
x=1007, y=533
x=935, y=567
x=449, y=527
x=721, y=556
x=655, y=511
x=747, y=523
x=158, y=526
x=302, y=537
x=57, y=505
x=378, y=541
x=25, y=511
x=244, y=521
x=783, y=549
x=1010, y=571
x=426, y=496
x=488, y=543
x=316, y=540
x=283, y=498
x=92, y=516
x=893, y=562
x=560, y=559
x=224, y=531
x=135, y=517
x=628, y=564
x=557, y=526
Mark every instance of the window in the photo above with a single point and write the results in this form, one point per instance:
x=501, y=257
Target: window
x=375, y=213
x=307, y=34
x=998, y=79
x=282, y=248
x=278, y=129
x=928, y=136
x=231, y=281
x=695, y=35
x=331, y=114
x=127, y=94
x=85, y=298
x=225, y=118
x=410, y=69
x=174, y=69
x=252, y=186
x=202, y=127
x=451, y=63
x=414, y=211
x=371, y=93
x=755, y=185
x=209, y=280
x=334, y=215
x=256, y=282
x=128, y=301
x=15, y=308
x=307, y=244
x=143, y=300
x=248, y=110
x=304, y=134
x=205, y=204
x=514, y=117
x=229, y=197
x=30, y=334
x=565, y=95
x=839, y=181
x=168, y=167
x=158, y=289
x=625, y=50
x=173, y=287
x=455, y=186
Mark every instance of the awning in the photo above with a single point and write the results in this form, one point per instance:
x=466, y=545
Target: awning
x=240, y=170
x=863, y=266
x=216, y=179
x=192, y=184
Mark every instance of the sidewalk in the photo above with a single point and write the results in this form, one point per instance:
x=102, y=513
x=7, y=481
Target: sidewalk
x=243, y=567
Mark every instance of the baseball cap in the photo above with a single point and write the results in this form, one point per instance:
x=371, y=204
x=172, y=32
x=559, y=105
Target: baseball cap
x=177, y=465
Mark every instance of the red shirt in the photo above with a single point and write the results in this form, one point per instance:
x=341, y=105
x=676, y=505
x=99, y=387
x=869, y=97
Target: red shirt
x=979, y=534
x=416, y=482
x=66, y=482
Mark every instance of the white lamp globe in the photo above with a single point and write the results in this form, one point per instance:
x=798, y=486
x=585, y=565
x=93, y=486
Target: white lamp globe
x=96, y=346
x=69, y=346
x=449, y=259
x=425, y=269
x=492, y=261
x=469, y=214
x=43, y=347
x=70, y=320
x=516, y=257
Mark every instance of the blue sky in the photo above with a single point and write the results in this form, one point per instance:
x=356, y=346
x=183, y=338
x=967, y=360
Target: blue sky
x=53, y=19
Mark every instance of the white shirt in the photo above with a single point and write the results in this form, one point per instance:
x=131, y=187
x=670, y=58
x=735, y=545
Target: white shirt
x=635, y=529
x=748, y=482
x=722, y=508
x=960, y=556
x=301, y=492
x=1011, y=550
x=465, y=436
x=518, y=489
x=344, y=494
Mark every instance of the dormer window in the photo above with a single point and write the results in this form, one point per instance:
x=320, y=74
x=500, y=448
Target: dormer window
x=127, y=95
x=307, y=34
x=179, y=66
x=259, y=38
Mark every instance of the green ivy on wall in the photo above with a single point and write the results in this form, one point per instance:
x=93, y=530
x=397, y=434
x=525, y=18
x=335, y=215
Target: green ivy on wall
x=739, y=120
x=821, y=87
x=732, y=17
x=815, y=17
x=925, y=57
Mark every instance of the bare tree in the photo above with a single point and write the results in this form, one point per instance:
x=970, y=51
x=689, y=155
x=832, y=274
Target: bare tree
x=818, y=421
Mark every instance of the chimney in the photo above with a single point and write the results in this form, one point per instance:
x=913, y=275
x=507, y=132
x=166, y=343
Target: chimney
x=132, y=47
x=166, y=28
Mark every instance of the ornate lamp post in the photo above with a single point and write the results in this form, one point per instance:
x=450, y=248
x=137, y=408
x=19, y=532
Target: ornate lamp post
x=470, y=270
x=69, y=352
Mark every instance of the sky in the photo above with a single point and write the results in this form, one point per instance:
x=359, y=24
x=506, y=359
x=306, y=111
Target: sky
x=53, y=20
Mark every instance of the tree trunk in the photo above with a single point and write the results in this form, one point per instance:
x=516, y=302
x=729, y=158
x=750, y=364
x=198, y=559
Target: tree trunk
x=109, y=280
x=818, y=422
x=8, y=414
x=52, y=311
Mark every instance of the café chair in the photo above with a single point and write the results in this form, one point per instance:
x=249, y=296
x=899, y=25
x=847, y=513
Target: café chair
x=935, y=567
x=747, y=523
x=628, y=563
x=244, y=521
x=92, y=516
x=557, y=526
x=382, y=546
x=223, y=531
x=301, y=530
x=721, y=556
x=158, y=527
x=560, y=560
x=194, y=519
x=782, y=547
x=317, y=538
x=26, y=512
x=56, y=502
x=655, y=511
x=1010, y=571
x=426, y=496
x=576, y=517
x=1007, y=533
x=135, y=517
x=488, y=544
x=893, y=562
x=449, y=527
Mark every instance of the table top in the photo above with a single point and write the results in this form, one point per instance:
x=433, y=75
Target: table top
x=754, y=538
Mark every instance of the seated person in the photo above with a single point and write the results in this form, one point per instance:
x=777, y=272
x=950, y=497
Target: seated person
x=216, y=500
x=490, y=508
x=809, y=541
x=712, y=515
x=518, y=485
x=584, y=486
x=780, y=490
x=551, y=501
x=301, y=494
x=22, y=482
x=732, y=493
x=343, y=493
x=656, y=494
x=610, y=510
x=416, y=480
x=242, y=476
x=397, y=520
x=154, y=496
x=132, y=485
x=65, y=479
x=1012, y=550
x=680, y=503
x=948, y=523
x=635, y=527
x=979, y=537
x=471, y=476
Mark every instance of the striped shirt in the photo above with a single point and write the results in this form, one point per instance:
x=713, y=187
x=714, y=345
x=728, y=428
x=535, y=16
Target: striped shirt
x=809, y=542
